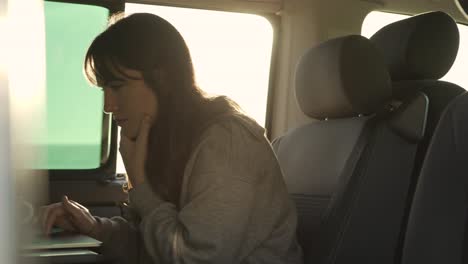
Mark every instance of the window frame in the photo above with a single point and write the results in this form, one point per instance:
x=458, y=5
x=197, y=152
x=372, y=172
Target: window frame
x=275, y=21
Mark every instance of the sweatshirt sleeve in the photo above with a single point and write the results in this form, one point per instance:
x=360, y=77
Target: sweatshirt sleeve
x=212, y=226
x=121, y=239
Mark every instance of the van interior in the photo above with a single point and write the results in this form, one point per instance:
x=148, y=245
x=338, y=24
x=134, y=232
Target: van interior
x=361, y=99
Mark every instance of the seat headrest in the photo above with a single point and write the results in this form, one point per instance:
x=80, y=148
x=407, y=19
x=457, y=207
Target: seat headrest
x=342, y=77
x=420, y=47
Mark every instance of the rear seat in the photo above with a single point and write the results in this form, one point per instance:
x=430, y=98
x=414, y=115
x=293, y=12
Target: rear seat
x=349, y=171
x=418, y=51
x=437, y=229
x=438, y=225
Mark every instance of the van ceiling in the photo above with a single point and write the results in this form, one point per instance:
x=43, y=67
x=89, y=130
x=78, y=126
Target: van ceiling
x=274, y=6
x=256, y=6
x=421, y=6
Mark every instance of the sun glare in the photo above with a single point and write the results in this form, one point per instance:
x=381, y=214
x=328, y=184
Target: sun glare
x=231, y=52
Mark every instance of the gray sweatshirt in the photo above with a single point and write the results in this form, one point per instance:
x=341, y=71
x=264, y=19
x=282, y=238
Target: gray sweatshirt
x=234, y=207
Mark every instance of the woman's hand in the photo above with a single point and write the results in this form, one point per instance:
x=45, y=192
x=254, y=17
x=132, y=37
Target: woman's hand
x=134, y=152
x=68, y=215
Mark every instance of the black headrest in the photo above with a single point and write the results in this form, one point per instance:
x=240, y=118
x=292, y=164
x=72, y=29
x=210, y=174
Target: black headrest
x=420, y=47
x=342, y=77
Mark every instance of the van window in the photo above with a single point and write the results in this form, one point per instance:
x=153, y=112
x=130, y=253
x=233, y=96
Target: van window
x=74, y=108
x=376, y=20
x=231, y=53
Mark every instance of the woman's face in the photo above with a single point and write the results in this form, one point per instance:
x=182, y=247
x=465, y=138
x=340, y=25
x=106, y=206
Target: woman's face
x=129, y=100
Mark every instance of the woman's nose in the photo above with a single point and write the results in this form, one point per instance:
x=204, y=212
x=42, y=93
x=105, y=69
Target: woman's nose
x=110, y=104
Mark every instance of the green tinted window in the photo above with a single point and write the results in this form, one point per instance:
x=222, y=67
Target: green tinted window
x=74, y=108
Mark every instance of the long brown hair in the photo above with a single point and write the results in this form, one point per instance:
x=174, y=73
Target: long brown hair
x=151, y=45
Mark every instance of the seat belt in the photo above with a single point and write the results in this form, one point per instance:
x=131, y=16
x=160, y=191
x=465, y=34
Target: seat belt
x=352, y=176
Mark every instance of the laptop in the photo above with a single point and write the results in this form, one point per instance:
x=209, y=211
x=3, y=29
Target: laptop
x=59, y=239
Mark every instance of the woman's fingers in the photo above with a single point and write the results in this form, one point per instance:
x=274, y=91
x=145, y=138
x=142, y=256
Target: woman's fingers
x=72, y=209
x=78, y=205
x=125, y=142
x=68, y=215
x=78, y=215
x=142, y=139
x=65, y=223
x=52, y=218
x=134, y=152
x=124, y=146
x=54, y=214
x=44, y=213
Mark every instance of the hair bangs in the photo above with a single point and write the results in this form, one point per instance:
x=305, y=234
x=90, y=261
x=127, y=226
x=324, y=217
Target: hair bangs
x=101, y=66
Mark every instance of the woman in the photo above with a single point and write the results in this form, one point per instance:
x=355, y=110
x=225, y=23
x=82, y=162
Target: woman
x=206, y=186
